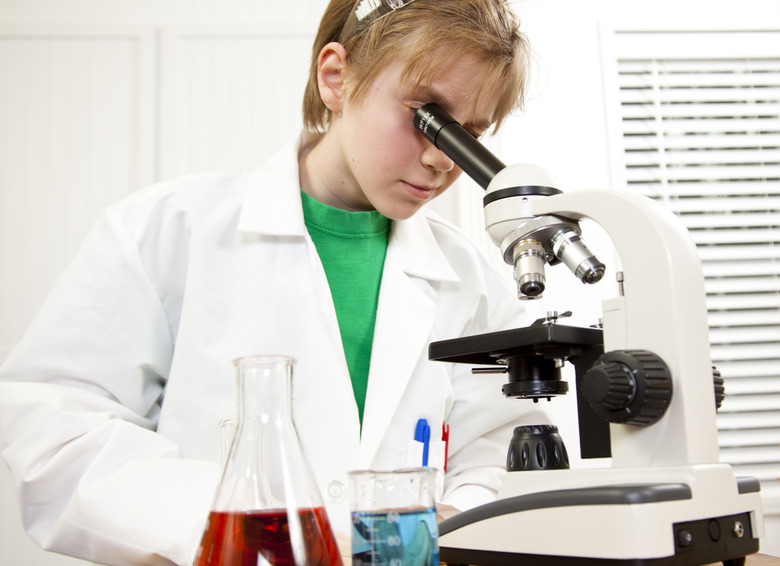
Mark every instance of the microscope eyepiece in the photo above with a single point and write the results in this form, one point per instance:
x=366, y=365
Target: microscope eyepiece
x=443, y=131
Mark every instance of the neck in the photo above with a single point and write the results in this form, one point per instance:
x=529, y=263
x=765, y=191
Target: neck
x=325, y=176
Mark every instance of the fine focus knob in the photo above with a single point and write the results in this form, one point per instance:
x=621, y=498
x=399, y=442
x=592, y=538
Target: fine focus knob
x=610, y=385
x=720, y=387
x=629, y=387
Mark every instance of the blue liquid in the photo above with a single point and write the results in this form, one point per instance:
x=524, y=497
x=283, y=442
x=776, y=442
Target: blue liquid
x=395, y=538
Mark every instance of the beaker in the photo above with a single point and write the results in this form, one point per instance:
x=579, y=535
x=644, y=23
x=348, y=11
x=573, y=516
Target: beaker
x=267, y=509
x=394, y=518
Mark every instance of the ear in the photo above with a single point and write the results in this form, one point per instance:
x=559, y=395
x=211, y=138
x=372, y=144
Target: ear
x=331, y=76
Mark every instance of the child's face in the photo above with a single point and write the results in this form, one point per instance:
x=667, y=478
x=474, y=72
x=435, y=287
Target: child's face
x=386, y=163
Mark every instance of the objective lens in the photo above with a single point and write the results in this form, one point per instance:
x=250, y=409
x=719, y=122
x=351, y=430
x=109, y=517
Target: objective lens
x=529, y=257
x=567, y=245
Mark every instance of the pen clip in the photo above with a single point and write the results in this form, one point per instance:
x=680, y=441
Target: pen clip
x=445, y=437
x=422, y=433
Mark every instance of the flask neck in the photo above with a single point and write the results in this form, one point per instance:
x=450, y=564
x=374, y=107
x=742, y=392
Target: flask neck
x=264, y=388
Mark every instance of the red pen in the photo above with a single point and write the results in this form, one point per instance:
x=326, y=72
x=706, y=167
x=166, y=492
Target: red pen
x=445, y=436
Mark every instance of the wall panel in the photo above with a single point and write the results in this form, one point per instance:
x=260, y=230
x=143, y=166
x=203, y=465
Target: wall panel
x=77, y=109
x=76, y=133
x=230, y=95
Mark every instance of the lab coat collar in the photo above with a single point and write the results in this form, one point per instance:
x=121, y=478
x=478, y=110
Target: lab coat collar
x=272, y=206
x=422, y=255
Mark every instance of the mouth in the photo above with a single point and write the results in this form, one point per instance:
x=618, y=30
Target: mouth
x=419, y=191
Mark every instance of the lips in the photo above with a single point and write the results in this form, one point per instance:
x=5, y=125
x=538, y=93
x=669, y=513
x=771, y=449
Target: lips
x=421, y=191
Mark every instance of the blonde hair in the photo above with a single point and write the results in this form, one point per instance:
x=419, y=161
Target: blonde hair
x=430, y=36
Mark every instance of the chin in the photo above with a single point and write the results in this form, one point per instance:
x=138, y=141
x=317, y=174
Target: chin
x=400, y=214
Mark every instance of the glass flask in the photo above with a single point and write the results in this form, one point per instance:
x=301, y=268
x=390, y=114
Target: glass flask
x=267, y=509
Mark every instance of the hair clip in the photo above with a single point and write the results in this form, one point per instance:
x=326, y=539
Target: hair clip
x=366, y=12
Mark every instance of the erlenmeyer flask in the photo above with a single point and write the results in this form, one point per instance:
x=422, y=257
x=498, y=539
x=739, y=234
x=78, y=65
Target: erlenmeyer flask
x=267, y=510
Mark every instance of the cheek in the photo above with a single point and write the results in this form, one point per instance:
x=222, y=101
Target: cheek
x=452, y=176
x=396, y=147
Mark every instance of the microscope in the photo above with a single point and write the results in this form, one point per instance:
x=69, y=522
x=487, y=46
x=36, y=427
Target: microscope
x=646, y=388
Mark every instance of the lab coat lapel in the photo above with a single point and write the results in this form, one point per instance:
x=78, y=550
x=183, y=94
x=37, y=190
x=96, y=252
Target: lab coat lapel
x=272, y=207
x=406, y=313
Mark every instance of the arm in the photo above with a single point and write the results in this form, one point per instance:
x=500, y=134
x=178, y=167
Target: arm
x=78, y=404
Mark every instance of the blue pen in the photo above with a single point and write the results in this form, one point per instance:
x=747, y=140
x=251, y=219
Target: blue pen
x=422, y=433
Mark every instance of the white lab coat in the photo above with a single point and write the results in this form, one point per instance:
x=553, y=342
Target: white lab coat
x=110, y=405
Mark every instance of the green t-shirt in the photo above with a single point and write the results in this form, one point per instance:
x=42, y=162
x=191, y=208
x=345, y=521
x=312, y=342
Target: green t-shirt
x=352, y=247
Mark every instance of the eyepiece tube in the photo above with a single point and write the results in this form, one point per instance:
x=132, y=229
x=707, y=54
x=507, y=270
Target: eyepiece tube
x=443, y=131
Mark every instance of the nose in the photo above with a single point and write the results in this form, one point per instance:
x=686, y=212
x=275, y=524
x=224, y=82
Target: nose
x=435, y=159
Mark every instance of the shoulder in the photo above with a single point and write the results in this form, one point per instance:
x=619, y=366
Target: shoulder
x=210, y=197
x=191, y=194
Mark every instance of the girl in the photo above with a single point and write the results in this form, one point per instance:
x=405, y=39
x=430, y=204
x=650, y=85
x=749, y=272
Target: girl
x=109, y=406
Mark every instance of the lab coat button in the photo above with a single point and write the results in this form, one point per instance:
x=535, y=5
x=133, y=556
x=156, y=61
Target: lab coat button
x=336, y=491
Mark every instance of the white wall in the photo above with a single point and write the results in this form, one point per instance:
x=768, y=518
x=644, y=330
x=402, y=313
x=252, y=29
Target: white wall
x=99, y=98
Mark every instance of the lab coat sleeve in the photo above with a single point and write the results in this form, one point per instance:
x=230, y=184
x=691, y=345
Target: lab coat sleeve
x=482, y=419
x=78, y=403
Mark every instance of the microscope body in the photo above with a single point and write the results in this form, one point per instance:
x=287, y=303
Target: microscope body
x=664, y=497
x=661, y=308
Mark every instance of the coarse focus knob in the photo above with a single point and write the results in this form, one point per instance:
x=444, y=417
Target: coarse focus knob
x=629, y=387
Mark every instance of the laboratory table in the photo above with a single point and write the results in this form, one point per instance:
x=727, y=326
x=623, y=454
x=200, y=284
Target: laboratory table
x=752, y=560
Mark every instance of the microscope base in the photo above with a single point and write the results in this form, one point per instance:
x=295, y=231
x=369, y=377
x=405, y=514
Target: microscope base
x=711, y=517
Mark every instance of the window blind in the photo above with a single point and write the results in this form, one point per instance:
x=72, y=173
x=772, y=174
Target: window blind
x=699, y=130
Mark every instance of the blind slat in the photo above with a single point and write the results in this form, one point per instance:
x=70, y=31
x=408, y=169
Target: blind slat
x=736, y=319
x=751, y=421
x=754, y=126
x=652, y=140
x=746, y=370
x=752, y=437
x=747, y=235
x=757, y=334
x=697, y=94
x=737, y=253
x=742, y=285
x=709, y=157
x=704, y=172
x=752, y=386
x=737, y=107
x=750, y=403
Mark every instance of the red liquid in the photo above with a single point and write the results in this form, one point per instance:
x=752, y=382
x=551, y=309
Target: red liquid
x=239, y=538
